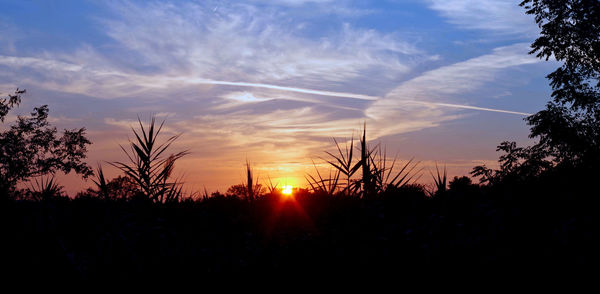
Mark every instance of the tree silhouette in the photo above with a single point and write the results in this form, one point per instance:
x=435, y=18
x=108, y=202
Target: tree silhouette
x=31, y=147
x=569, y=128
x=516, y=164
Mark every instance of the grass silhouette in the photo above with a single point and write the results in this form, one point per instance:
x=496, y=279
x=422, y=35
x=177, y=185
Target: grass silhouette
x=149, y=167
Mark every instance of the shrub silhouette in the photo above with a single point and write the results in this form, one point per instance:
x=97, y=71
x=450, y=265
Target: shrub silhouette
x=460, y=184
x=45, y=188
x=386, y=177
x=377, y=175
x=149, y=167
x=440, y=181
x=327, y=186
x=343, y=162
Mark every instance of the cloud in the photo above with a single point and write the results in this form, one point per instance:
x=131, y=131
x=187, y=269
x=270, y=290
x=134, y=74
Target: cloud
x=167, y=47
x=421, y=100
x=433, y=89
x=499, y=16
x=243, y=80
x=244, y=97
x=294, y=2
x=464, y=76
x=156, y=43
x=311, y=7
x=243, y=42
x=234, y=99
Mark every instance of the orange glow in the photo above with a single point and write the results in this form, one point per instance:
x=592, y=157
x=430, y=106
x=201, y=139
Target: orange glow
x=287, y=190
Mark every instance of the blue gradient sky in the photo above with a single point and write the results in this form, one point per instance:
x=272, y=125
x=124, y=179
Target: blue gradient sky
x=273, y=81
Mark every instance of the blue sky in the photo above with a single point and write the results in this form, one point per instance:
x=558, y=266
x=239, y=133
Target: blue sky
x=273, y=81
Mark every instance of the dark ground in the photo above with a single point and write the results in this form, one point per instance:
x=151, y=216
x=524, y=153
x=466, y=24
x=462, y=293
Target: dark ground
x=551, y=228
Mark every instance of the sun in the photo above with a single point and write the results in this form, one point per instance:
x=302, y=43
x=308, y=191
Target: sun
x=286, y=190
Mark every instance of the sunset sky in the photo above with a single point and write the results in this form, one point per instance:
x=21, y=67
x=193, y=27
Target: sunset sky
x=273, y=81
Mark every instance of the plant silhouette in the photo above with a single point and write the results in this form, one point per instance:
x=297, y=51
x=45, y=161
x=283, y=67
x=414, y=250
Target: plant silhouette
x=149, y=167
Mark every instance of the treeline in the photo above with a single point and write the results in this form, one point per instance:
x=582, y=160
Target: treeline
x=531, y=227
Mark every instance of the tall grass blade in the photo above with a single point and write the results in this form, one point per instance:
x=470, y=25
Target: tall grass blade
x=147, y=166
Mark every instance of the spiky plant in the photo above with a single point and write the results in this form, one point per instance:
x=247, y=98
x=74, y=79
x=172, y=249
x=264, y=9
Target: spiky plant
x=205, y=195
x=272, y=188
x=344, y=164
x=45, y=189
x=252, y=188
x=440, y=182
x=376, y=175
x=101, y=184
x=384, y=175
x=368, y=180
x=173, y=193
x=148, y=166
x=324, y=185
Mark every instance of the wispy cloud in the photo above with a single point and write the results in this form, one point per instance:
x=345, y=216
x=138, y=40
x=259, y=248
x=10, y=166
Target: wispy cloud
x=422, y=100
x=437, y=87
x=294, y=2
x=498, y=16
x=243, y=42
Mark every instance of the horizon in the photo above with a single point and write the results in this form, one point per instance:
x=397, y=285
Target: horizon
x=272, y=83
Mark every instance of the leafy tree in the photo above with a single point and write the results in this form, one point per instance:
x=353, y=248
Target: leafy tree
x=569, y=128
x=460, y=184
x=31, y=147
x=242, y=191
x=516, y=164
x=119, y=188
x=238, y=190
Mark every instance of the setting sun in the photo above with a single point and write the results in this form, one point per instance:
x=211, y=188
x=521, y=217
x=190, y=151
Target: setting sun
x=287, y=190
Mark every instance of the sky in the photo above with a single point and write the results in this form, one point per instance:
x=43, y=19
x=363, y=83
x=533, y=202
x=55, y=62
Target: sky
x=273, y=82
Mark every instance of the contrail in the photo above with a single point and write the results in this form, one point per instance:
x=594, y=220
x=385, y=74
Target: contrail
x=288, y=89
x=10, y=60
x=468, y=107
x=345, y=95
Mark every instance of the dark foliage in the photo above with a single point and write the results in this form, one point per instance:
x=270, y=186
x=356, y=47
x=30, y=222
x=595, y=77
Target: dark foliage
x=569, y=128
x=402, y=230
x=119, y=188
x=6, y=104
x=517, y=164
x=461, y=184
x=31, y=147
x=241, y=191
x=149, y=166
